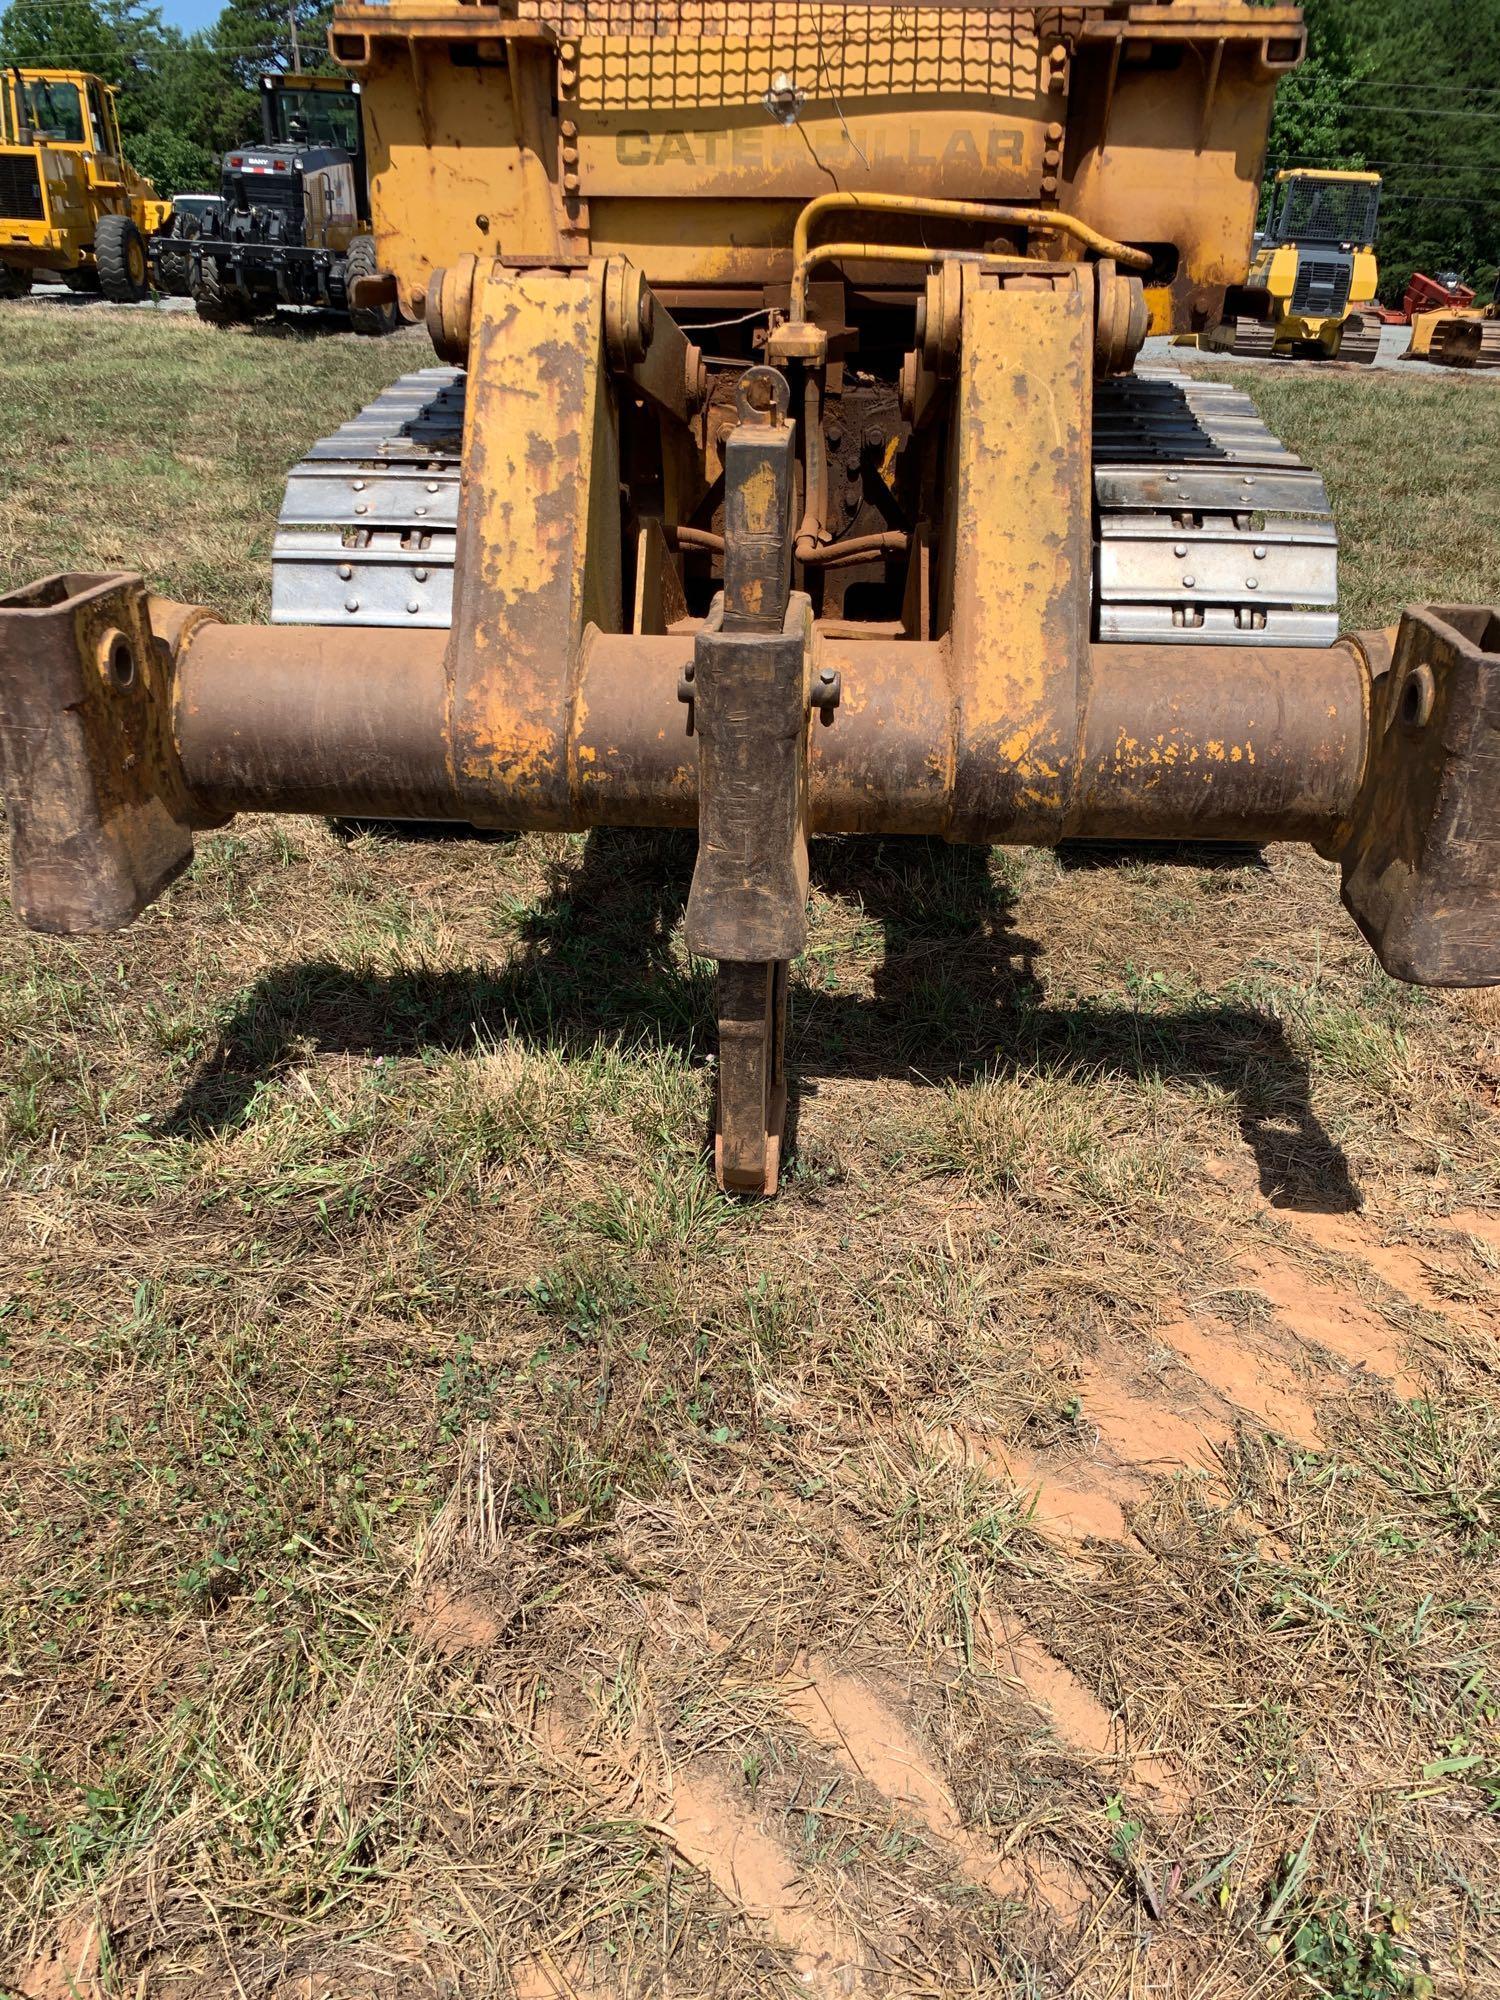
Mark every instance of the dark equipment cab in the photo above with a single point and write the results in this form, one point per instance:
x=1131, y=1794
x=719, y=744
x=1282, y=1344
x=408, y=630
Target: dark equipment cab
x=292, y=226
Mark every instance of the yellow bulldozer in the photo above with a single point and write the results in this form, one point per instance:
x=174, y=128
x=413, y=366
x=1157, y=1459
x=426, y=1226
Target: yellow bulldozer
x=784, y=469
x=1314, y=278
x=70, y=202
x=1458, y=336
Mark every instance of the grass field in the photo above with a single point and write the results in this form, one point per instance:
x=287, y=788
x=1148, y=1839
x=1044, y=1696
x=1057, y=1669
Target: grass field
x=449, y=1549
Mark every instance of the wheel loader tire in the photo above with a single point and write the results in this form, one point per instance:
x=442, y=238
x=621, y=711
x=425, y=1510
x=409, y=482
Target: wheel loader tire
x=218, y=301
x=15, y=281
x=174, y=267
x=120, y=253
x=363, y=263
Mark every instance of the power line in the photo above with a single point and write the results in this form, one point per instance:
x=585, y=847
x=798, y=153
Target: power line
x=1420, y=111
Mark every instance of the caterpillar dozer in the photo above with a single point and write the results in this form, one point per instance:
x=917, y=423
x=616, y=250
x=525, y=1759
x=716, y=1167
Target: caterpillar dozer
x=70, y=202
x=1314, y=272
x=1463, y=335
x=784, y=470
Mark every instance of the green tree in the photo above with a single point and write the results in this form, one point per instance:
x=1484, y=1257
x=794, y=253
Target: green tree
x=253, y=37
x=62, y=34
x=1414, y=93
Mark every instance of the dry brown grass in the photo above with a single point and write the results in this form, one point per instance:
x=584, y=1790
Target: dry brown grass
x=451, y=1549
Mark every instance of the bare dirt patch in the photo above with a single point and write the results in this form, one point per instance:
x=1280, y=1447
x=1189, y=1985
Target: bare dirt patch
x=425, y=1497
x=1248, y=1378
x=1333, y=1319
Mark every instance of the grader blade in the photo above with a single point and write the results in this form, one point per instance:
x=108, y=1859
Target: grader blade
x=720, y=514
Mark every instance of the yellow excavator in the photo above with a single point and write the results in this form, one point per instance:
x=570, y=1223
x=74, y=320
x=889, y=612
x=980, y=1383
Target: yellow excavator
x=1315, y=271
x=786, y=466
x=70, y=202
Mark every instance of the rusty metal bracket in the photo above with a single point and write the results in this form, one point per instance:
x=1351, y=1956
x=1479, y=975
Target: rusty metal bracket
x=100, y=822
x=647, y=346
x=1422, y=860
x=751, y=708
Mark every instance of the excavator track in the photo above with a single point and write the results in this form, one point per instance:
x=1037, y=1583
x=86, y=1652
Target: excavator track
x=1209, y=531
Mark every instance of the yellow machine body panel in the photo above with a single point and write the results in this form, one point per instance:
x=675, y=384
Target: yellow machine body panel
x=63, y=168
x=687, y=136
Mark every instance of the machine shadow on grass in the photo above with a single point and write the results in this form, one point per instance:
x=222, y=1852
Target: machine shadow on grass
x=955, y=995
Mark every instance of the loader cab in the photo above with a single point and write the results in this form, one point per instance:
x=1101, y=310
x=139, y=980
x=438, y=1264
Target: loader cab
x=67, y=109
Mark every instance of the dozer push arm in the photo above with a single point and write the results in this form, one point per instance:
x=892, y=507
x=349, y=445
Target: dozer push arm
x=127, y=723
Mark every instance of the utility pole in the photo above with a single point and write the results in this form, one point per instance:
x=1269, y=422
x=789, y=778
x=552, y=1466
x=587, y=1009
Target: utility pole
x=291, y=17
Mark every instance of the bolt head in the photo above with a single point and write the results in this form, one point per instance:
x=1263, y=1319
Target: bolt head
x=1252, y=583
x=1260, y=553
x=351, y=604
x=413, y=605
x=1188, y=582
x=1180, y=549
x=420, y=575
x=361, y=506
x=826, y=676
x=346, y=570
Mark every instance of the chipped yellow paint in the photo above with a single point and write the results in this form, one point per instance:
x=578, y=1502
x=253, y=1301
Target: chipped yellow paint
x=538, y=539
x=1019, y=552
x=759, y=493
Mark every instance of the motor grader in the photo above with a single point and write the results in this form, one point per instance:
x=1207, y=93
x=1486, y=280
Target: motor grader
x=785, y=471
x=70, y=202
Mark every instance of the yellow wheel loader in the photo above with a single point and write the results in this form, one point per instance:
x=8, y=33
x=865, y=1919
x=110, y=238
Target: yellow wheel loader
x=70, y=202
x=1315, y=272
x=784, y=470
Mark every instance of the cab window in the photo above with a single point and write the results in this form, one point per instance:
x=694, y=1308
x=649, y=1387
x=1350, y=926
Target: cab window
x=54, y=111
x=319, y=118
x=104, y=128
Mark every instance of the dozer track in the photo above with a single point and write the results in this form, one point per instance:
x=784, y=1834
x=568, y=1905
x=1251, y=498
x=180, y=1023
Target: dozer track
x=1465, y=342
x=1254, y=337
x=367, y=527
x=1359, y=338
x=1209, y=531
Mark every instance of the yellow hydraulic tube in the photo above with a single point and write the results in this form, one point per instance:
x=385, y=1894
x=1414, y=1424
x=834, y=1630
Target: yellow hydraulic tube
x=973, y=211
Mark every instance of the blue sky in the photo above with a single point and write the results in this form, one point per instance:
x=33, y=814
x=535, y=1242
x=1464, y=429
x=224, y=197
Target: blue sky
x=190, y=14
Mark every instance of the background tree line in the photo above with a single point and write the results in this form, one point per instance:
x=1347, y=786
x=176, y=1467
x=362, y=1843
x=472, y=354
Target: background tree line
x=184, y=99
x=1410, y=91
